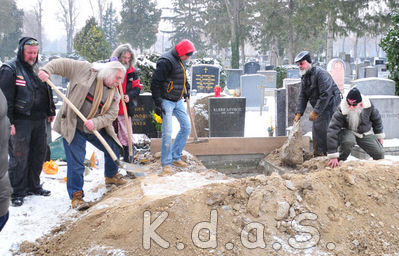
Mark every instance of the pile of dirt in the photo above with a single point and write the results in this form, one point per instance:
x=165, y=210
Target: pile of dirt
x=349, y=210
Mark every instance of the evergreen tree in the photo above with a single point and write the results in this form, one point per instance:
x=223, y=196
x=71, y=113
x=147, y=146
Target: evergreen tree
x=11, y=25
x=90, y=42
x=188, y=22
x=110, y=24
x=390, y=44
x=139, y=24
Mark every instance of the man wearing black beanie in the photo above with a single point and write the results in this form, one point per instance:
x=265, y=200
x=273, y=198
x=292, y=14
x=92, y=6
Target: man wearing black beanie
x=317, y=87
x=356, y=121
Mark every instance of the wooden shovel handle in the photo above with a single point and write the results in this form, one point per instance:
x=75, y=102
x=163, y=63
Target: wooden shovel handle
x=81, y=116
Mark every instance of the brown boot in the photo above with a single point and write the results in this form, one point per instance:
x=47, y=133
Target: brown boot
x=78, y=202
x=116, y=180
x=180, y=163
x=166, y=171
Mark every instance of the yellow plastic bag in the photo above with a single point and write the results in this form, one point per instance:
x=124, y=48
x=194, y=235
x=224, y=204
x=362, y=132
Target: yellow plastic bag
x=50, y=167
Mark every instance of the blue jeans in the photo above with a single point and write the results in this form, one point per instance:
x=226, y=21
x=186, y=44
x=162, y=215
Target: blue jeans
x=3, y=220
x=171, y=153
x=75, y=156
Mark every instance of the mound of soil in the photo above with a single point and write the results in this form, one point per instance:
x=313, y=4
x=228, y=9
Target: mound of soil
x=349, y=210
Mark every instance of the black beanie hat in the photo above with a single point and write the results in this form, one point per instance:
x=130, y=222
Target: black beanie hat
x=354, y=97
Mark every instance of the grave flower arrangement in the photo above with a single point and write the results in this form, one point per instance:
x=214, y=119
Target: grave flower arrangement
x=157, y=121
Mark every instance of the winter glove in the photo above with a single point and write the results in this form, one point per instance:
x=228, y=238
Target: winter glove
x=186, y=96
x=158, y=107
x=297, y=117
x=313, y=116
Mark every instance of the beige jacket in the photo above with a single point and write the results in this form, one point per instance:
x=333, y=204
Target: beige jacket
x=81, y=76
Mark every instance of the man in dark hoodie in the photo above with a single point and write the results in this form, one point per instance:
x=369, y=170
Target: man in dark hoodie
x=30, y=103
x=5, y=186
x=169, y=86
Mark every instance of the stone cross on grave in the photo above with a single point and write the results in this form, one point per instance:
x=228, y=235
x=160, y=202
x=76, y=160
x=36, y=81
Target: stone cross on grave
x=206, y=70
x=262, y=95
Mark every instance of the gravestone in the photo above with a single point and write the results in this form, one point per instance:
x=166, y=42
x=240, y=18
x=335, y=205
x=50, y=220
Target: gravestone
x=271, y=78
x=251, y=87
x=233, y=78
x=388, y=106
x=293, y=73
x=204, y=78
x=142, y=119
x=375, y=86
x=293, y=89
x=370, y=71
x=251, y=67
x=383, y=72
x=378, y=62
x=269, y=67
x=226, y=116
x=336, y=68
x=281, y=112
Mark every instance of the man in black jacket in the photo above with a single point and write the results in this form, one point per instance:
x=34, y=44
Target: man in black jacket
x=169, y=86
x=317, y=87
x=356, y=121
x=30, y=103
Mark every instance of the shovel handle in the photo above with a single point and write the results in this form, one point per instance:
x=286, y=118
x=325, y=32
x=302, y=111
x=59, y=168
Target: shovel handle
x=84, y=119
x=128, y=126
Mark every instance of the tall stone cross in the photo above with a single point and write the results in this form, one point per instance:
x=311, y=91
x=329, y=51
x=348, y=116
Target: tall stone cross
x=262, y=95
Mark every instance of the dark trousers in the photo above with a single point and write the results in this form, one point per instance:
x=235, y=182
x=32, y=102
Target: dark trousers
x=319, y=132
x=3, y=220
x=368, y=143
x=27, y=149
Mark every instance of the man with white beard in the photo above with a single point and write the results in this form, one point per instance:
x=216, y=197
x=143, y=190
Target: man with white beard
x=317, y=87
x=356, y=121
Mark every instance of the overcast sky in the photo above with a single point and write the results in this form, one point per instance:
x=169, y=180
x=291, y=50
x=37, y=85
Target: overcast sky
x=54, y=29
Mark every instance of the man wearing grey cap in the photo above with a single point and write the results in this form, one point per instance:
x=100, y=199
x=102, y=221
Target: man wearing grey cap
x=356, y=121
x=317, y=87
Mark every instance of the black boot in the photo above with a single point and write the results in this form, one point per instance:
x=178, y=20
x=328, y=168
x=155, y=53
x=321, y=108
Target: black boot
x=39, y=192
x=17, y=201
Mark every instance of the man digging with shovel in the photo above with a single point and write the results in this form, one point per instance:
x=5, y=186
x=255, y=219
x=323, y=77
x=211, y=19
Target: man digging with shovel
x=93, y=91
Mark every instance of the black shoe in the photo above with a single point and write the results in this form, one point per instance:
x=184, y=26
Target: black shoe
x=17, y=201
x=39, y=192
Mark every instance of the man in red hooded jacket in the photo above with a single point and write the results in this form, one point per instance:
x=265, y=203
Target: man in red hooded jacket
x=169, y=87
x=131, y=89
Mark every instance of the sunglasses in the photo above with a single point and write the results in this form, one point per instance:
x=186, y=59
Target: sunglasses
x=352, y=103
x=32, y=42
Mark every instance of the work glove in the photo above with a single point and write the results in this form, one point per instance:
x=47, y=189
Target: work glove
x=313, y=116
x=186, y=96
x=158, y=107
x=297, y=117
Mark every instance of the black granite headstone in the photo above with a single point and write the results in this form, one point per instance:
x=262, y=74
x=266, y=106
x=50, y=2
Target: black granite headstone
x=281, y=112
x=142, y=119
x=204, y=78
x=251, y=67
x=227, y=117
x=269, y=67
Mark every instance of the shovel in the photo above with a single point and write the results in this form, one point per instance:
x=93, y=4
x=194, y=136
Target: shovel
x=131, y=168
x=129, y=127
x=196, y=140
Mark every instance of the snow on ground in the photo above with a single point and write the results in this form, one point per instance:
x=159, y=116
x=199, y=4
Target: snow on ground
x=180, y=183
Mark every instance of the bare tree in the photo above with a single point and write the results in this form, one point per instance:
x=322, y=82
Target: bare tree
x=68, y=16
x=101, y=6
x=38, y=11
